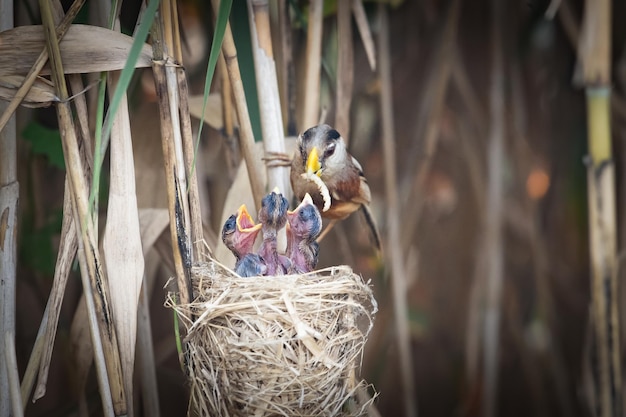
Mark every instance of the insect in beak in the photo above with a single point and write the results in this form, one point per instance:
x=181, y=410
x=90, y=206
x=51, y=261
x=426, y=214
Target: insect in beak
x=313, y=165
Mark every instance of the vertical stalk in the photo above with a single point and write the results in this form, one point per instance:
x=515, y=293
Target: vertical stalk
x=9, y=195
x=345, y=68
x=595, y=55
x=267, y=88
x=90, y=259
x=311, y=95
x=493, y=216
x=170, y=133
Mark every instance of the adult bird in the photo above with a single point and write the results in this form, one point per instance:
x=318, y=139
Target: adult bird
x=273, y=216
x=304, y=225
x=322, y=152
x=238, y=234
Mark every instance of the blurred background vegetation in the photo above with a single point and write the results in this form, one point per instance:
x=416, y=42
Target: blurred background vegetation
x=441, y=64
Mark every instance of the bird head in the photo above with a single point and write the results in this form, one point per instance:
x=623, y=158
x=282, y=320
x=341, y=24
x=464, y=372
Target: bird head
x=239, y=232
x=323, y=150
x=273, y=210
x=305, y=220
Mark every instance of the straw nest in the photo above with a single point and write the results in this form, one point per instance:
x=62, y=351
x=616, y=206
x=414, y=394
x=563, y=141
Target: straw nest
x=287, y=345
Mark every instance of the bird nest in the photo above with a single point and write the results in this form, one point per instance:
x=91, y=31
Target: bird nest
x=283, y=345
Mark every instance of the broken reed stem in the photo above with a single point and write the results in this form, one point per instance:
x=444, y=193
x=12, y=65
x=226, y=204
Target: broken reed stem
x=395, y=252
x=345, y=69
x=91, y=261
x=267, y=89
x=246, y=136
x=39, y=64
x=310, y=98
x=175, y=190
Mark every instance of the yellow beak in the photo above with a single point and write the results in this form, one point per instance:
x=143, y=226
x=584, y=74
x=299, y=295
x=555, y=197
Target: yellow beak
x=313, y=162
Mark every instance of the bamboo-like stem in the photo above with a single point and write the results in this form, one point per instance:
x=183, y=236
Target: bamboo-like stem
x=30, y=78
x=345, y=68
x=267, y=88
x=78, y=187
x=311, y=94
x=494, y=254
x=175, y=189
x=395, y=252
x=594, y=52
x=246, y=137
x=195, y=211
x=9, y=195
x=10, y=359
x=177, y=46
x=226, y=93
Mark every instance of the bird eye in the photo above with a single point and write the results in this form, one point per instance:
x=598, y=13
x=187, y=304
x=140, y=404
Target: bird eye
x=333, y=134
x=330, y=150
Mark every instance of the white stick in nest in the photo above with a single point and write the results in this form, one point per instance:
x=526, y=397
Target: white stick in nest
x=321, y=186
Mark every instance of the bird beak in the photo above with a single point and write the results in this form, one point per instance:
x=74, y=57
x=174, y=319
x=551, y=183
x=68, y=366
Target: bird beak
x=313, y=162
x=244, y=220
x=307, y=200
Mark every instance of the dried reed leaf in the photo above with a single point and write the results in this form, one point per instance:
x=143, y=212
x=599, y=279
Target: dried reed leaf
x=41, y=94
x=288, y=345
x=83, y=49
x=123, y=254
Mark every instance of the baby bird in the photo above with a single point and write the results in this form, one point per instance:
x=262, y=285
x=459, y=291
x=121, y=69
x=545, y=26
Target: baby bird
x=238, y=234
x=322, y=152
x=273, y=216
x=251, y=265
x=304, y=225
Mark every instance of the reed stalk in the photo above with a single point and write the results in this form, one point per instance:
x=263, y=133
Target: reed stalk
x=267, y=89
x=9, y=195
x=595, y=59
x=310, y=99
x=90, y=260
x=345, y=68
x=172, y=154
